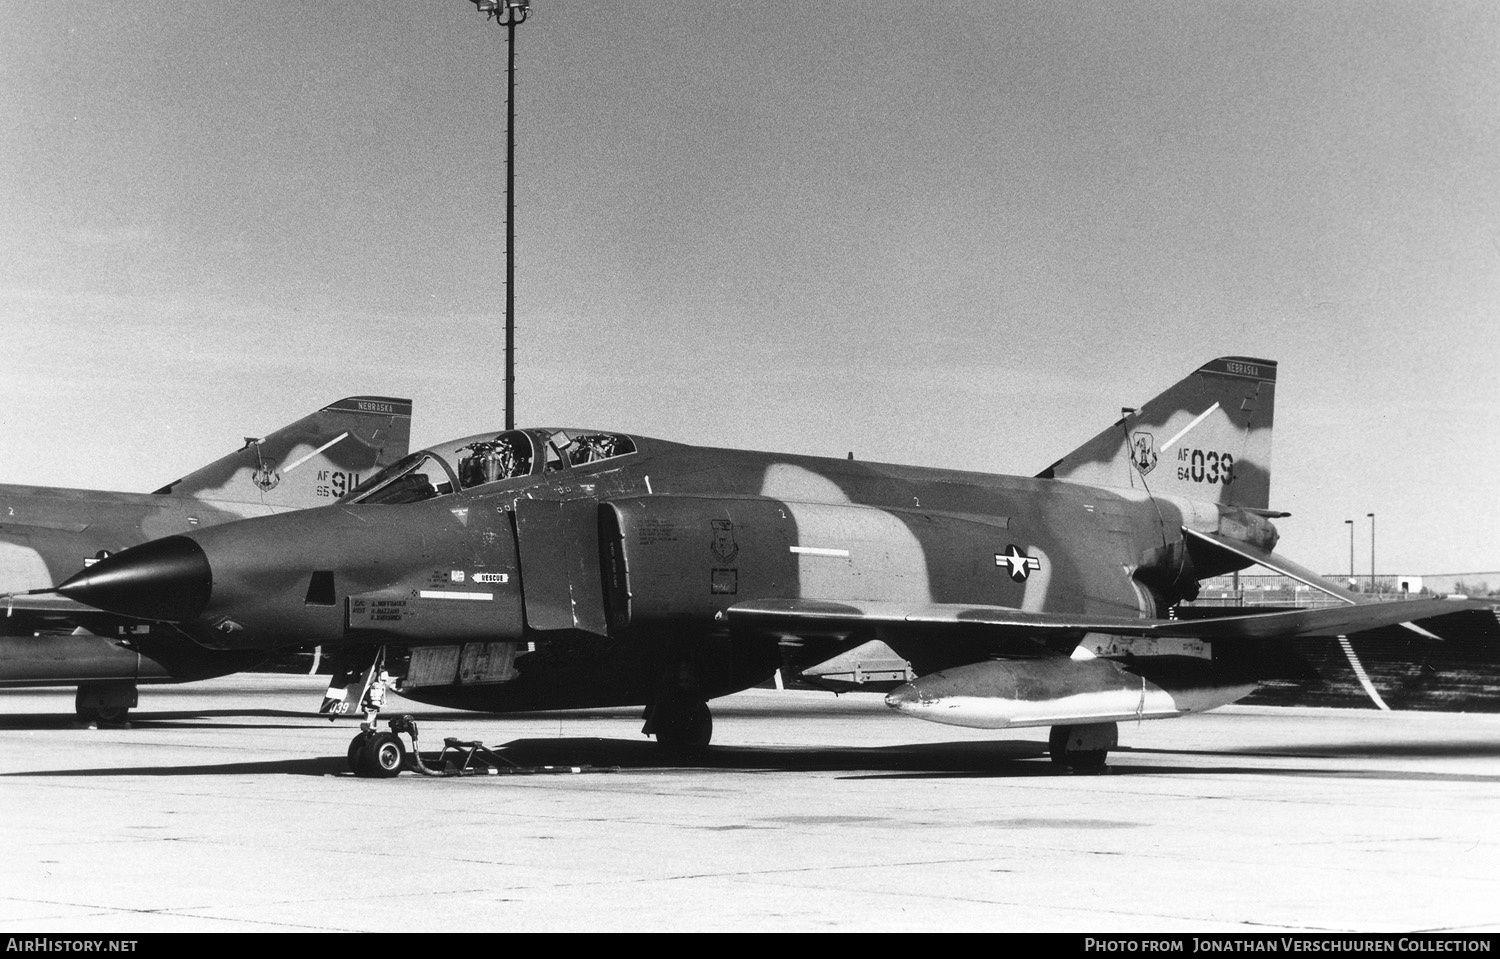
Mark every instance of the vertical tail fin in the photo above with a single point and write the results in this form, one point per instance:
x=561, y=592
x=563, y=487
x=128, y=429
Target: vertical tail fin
x=311, y=462
x=1206, y=438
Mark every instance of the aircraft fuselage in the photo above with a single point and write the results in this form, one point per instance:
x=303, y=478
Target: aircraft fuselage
x=611, y=572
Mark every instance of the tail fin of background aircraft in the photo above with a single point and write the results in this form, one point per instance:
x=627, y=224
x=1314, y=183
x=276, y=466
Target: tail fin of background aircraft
x=1207, y=438
x=311, y=462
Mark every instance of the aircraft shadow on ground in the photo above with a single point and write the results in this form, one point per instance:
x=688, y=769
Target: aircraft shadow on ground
x=186, y=719
x=999, y=760
x=1388, y=750
x=996, y=757
x=316, y=766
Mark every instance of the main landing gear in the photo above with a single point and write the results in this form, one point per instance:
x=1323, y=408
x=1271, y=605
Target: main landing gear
x=680, y=722
x=677, y=714
x=107, y=703
x=1083, y=748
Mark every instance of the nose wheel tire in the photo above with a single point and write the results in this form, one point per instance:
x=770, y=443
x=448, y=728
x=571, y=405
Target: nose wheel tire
x=376, y=755
x=355, y=746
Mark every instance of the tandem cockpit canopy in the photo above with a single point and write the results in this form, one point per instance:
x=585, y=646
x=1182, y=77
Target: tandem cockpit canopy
x=483, y=459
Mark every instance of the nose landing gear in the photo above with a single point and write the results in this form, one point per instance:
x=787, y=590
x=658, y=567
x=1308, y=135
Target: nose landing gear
x=381, y=755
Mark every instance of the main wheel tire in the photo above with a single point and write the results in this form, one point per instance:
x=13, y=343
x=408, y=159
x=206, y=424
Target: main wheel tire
x=109, y=715
x=1086, y=759
x=104, y=702
x=683, y=725
x=1073, y=758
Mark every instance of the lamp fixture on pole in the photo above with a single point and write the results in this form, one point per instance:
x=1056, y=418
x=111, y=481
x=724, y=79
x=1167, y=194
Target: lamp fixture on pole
x=1350, y=523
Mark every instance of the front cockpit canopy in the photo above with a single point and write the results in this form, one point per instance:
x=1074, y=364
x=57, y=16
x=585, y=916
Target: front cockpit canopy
x=488, y=459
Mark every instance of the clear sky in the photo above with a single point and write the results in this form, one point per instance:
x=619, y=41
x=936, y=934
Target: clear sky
x=962, y=234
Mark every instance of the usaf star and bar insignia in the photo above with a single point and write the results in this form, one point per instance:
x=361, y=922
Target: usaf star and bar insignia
x=1020, y=565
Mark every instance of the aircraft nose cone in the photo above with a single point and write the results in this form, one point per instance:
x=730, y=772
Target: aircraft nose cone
x=166, y=579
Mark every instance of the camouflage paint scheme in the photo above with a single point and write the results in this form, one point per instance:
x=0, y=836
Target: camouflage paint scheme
x=526, y=570
x=47, y=534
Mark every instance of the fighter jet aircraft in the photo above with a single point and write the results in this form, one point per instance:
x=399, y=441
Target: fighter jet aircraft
x=48, y=534
x=558, y=568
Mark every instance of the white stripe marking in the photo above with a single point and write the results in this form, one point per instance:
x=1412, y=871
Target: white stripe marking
x=1422, y=632
x=1361, y=675
x=448, y=594
x=1201, y=417
x=337, y=439
x=818, y=551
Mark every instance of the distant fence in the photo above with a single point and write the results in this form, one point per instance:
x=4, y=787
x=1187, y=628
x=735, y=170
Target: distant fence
x=1272, y=589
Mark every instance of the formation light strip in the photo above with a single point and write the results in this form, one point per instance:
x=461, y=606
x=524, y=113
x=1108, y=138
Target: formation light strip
x=1201, y=417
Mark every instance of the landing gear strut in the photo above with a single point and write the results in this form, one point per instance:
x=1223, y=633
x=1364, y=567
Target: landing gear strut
x=1083, y=747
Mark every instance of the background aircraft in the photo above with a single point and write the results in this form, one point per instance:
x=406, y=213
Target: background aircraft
x=557, y=568
x=48, y=534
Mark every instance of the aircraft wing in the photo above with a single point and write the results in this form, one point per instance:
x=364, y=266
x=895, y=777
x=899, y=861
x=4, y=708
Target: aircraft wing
x=1063, y=630
x=1332, y=621
x=935, y=619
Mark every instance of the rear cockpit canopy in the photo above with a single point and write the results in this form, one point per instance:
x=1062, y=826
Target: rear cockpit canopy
x=488, y=458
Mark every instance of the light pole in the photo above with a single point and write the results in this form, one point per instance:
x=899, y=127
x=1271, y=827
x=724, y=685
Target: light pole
x=1372, y=551
x=1350, y=523
x=509, y=14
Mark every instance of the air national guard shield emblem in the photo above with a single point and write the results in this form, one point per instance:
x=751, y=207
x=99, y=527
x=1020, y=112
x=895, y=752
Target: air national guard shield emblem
x=724, y=545
x=266, y=476
x=1143, y=452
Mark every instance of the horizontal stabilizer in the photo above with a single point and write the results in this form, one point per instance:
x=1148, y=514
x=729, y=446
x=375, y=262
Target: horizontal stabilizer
x=1277, y=564
x=1303, y=575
